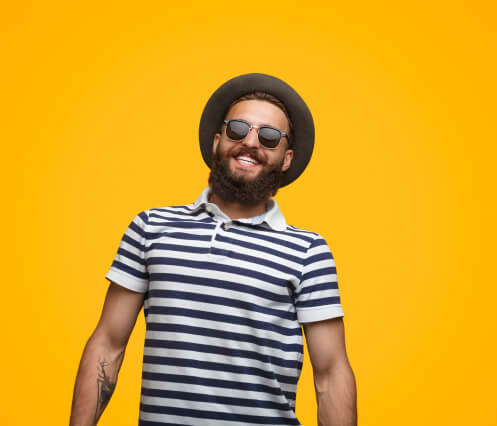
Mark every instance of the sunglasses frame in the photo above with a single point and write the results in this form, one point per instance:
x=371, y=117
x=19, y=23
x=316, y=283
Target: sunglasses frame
x=253, y=126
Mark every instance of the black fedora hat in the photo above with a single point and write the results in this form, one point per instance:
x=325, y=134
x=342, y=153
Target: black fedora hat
x=303, y=126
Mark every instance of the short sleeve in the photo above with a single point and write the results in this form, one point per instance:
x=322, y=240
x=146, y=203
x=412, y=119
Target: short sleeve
x=129, y=268
x=317, y=295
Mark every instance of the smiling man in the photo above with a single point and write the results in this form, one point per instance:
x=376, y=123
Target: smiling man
x=227, y=285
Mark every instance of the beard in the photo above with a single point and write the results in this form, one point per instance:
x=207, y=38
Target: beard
x=248, y=192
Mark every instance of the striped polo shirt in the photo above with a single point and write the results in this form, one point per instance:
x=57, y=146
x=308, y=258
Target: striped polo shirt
x=224, y=302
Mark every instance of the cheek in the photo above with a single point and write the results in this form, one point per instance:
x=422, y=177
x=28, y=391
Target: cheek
x=223, y=150
x=279, y=159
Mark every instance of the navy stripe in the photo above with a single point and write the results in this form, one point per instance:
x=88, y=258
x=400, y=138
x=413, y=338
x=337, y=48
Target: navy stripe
x=319, y=273
x=137, y=229
x=133, y=242
x=129, y=270
x=219, y=366
x=319, y=302
x=319, y=257
x=230, y=319
x=265, y=237
x=244, y=418
x=227, y=285
x=260, y=248
x=178, y=235
x=221, y=350
x=178, y=247
x=179, y=207
x=176, y=212
x=222, y=301
x=125, y=253
x=264, y=262
x=143, y=216
x=207, y=219
x=215, y=399
x=228, y=335
x=330, y=285
x=189, y=224
x=213, y=266
x=178, y=223
x=216, y=383
x=302, y=234
x=318, y=242
x=150, y=423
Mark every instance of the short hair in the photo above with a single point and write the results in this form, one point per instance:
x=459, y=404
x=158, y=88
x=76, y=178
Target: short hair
x=263, y=96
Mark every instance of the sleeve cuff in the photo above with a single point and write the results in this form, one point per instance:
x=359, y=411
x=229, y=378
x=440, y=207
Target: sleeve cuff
x=327, y=312
x=125, y=280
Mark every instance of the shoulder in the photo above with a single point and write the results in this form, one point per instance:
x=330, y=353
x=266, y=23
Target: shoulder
x=316, y=246
x=310, y=237
x=169, y=212
x=158, y=214
x=179, y=216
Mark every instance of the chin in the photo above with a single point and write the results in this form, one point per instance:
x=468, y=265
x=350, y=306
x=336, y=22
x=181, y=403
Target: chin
x=244, y=175
x=244, y=178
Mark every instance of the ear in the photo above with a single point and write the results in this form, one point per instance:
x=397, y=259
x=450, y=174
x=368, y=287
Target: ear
x=215, y=143
x=287, y=160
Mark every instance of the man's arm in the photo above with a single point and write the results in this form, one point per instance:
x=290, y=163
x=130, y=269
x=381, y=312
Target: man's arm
x=334, y=380
x=103, y=355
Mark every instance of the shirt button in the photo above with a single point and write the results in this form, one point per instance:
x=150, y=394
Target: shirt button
x=226, y=226
x=208, y=208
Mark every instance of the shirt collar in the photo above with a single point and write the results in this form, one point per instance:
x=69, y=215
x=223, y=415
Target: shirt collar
x=272, y=217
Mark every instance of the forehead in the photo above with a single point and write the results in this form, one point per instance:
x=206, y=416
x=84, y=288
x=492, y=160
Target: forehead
x=259, y=112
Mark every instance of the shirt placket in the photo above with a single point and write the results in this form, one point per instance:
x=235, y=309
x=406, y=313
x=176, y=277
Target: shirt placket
x=222, y=221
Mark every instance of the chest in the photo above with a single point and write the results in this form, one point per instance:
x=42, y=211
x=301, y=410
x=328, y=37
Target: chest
x=220, y=264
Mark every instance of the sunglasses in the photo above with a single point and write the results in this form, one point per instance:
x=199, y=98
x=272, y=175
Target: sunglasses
x=269, y=137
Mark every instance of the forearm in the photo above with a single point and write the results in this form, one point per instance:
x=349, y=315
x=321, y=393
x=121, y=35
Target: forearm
x=95, y=381
x=336, y=397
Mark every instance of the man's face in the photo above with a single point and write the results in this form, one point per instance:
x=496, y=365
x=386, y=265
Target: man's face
x=256, y=112
x=250, y=180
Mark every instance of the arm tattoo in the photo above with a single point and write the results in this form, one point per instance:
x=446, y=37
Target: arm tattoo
x=105, y=386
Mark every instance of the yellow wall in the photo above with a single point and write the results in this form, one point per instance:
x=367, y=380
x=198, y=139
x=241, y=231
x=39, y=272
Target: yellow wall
x=101, y=104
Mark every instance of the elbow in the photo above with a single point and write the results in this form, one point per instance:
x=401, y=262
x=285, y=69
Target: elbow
x=337, y=374
x=104, y=343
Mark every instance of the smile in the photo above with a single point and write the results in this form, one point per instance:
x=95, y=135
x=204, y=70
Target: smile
x=246, y=161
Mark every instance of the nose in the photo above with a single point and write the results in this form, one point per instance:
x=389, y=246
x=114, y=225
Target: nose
x=252, y=139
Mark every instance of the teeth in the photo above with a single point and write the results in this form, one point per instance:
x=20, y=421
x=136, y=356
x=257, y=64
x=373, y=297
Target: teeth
x=247, y=160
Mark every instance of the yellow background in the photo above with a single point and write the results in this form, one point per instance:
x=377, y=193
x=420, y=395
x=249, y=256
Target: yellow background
x=101, y=104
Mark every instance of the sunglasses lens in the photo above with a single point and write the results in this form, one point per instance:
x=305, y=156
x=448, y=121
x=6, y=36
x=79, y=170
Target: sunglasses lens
x=269, y=137
x=237, y=130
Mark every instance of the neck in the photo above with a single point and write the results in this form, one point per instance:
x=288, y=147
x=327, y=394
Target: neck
x=236, y=210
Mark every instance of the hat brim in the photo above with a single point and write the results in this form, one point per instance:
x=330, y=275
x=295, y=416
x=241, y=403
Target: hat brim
x=303, y=125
